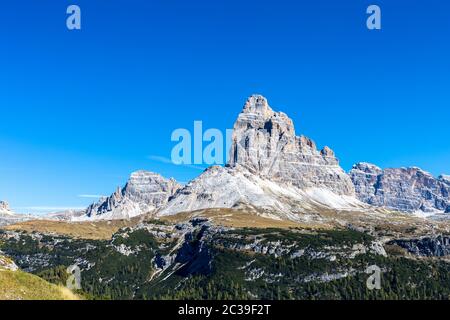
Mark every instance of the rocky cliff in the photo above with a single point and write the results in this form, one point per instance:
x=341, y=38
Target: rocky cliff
x=265, y=143
x=402, y=189
x=434, y=246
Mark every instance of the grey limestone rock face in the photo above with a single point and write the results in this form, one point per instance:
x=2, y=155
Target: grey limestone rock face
x=220, y=187
x=265, y=143
x=436, y=246
x=403, y=189
x=145, y=192
x=7, y=264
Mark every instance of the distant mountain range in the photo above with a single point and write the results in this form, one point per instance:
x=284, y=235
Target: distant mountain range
x=8, y=216
x=276, y=173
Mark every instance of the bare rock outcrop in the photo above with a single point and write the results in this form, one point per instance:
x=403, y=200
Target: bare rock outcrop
x=433, y=246
x=7, y=264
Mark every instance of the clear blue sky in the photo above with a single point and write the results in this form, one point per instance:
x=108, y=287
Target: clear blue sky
x=80, y=110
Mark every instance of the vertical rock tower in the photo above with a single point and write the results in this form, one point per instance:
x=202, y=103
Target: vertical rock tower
x=264, y=142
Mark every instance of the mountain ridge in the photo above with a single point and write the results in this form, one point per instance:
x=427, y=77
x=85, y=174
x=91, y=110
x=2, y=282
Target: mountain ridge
x=270, y=169
x=404, y=189
x=265, y=142
x=279, y=174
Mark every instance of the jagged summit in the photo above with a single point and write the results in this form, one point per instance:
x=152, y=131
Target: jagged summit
x=271, y=169
x=265, y=143
x=145, y=192
x=258, y=114
x=257, y=104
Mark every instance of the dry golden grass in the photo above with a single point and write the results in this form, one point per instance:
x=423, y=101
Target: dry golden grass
x=99, y=230
x=19, y=285
x=241, y=219
x=387, y=222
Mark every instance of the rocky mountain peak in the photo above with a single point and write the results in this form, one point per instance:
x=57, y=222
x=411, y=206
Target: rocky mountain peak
x=264, y=142
x=327, y=152
x=259, y=115
x=257, y=104
x=270, y=169
x=5, y=209
x=144, y=184
x=144, y=192
x=4, y=206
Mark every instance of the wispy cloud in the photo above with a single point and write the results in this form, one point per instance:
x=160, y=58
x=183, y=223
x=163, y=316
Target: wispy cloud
x=160, y=159
x=169, y=161
x=50, y=208
x=45, y=209
x=95, y=196
x=8, y=169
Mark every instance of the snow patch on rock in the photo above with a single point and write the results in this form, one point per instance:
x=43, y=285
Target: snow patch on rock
x=225, y=187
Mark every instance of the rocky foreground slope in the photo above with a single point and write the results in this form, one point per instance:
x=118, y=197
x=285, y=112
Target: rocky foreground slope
x=18, y=285
x=198, y=259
